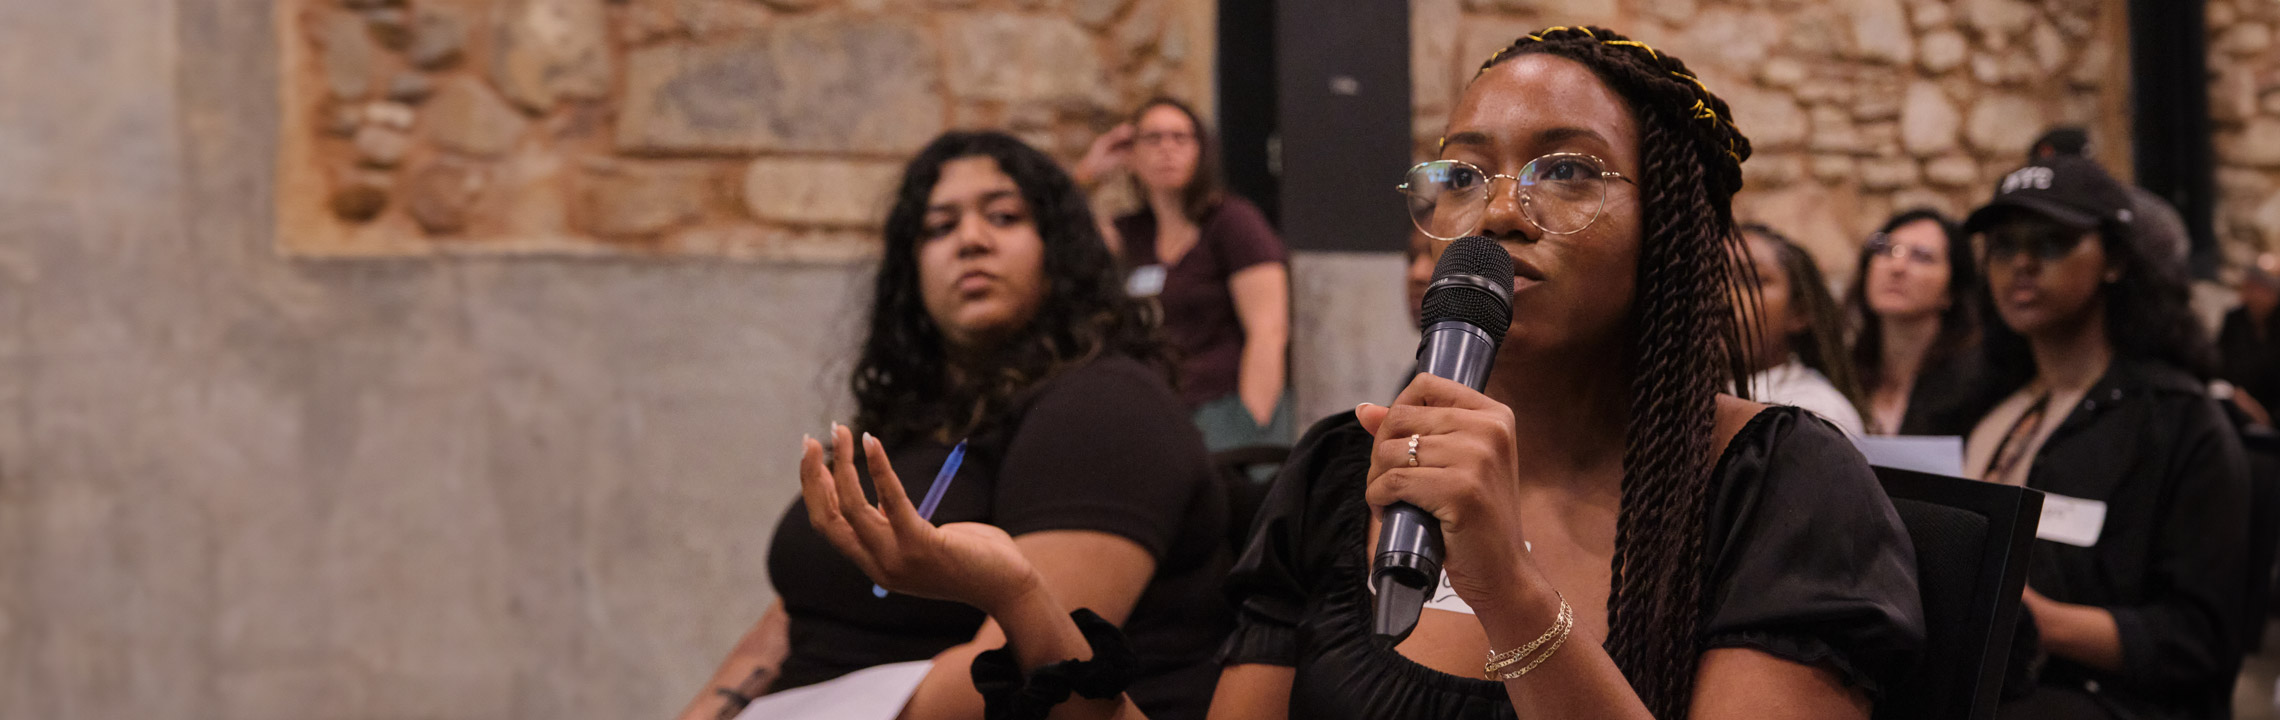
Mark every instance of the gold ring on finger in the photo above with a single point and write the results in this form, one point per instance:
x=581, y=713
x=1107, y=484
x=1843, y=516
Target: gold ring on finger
x=1413, y=450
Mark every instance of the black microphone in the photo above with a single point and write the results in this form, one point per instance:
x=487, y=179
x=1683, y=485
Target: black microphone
x=1466, y=311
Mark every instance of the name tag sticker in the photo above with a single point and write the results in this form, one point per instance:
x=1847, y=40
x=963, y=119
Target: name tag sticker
x=1146, y=281
x=2073, y=521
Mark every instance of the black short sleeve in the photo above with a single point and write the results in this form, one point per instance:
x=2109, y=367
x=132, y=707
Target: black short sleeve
x=1814, y=565
x=1298, y=525
x=1104, y=447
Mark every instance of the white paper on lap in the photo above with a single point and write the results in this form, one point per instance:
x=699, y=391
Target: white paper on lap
x=873, y=693
x=1935, y=454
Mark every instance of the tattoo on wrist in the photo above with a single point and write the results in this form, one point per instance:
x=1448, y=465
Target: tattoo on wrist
x=737, y=697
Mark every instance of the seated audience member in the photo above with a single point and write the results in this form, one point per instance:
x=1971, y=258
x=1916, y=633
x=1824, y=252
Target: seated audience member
x=1916, y=323
x=1622, y=540
x=2135, y=592
x=1799, y=348
x=998, y=326
x=2249, y=343
x=1215, y=266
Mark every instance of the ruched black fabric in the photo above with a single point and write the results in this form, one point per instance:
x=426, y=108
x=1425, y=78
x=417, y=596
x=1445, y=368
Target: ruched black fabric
x=1808, y=563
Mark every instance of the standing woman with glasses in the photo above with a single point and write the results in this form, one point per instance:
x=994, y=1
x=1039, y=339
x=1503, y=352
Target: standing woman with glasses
x=1622, y=540
x=1213, y=264
x=2137, y=591
x=1911, y=307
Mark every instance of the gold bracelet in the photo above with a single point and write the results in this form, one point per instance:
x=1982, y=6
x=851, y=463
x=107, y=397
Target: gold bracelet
x=1556, y=635
x=1515, y=675
x=1566, y=619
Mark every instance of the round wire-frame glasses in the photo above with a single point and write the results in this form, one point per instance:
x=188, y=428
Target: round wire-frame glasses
x=1559, y=193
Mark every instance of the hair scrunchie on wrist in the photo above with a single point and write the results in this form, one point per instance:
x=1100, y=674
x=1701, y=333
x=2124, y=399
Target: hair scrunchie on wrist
x=1007, y=695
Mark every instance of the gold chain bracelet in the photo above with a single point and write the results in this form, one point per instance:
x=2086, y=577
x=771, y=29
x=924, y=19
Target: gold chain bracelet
x=1557, y=636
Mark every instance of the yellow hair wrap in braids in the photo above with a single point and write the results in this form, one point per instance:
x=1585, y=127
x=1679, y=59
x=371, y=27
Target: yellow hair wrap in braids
x=1700, y=111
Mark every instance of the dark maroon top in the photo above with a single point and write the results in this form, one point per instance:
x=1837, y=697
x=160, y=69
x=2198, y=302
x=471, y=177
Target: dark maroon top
x=1199, y=310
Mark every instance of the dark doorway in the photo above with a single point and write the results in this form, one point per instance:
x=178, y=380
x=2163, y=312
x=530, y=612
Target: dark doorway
x=1314, y=104
x=2171, y=129
x=1247, y=102
x=1342, y=90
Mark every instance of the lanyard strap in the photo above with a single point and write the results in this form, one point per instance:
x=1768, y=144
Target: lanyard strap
x=2013, y=448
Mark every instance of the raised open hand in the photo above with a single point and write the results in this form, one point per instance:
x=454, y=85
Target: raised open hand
x=971, y=563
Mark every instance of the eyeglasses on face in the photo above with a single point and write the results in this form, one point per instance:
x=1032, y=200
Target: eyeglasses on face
x=1163, y=139
x=1559, y=193
x=1882, y=245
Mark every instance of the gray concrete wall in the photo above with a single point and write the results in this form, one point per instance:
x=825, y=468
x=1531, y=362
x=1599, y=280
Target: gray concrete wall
x=1352, y=340
x=236, y=486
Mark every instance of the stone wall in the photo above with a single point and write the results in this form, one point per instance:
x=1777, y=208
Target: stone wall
x=1857, y=108
x=770, y=129
x=2244, y=96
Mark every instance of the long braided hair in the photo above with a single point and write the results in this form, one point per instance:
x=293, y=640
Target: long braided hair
x=1687, y=347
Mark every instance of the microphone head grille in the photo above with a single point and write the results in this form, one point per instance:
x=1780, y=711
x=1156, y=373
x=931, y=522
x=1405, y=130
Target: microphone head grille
x=1464, y=284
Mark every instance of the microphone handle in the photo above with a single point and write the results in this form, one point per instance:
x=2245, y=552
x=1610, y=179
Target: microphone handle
x=1407, y=568
x=1456, y=350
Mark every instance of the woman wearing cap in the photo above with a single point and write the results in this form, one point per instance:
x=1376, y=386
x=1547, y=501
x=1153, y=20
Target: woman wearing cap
x=2138, y=584
x=1912, y=304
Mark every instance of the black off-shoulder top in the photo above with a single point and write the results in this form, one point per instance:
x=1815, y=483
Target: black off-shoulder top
x=1809, y=563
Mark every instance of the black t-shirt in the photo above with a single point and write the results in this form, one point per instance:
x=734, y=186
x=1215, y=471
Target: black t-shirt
x=1948, y=397
x=1104, y=447
x=1810, y=564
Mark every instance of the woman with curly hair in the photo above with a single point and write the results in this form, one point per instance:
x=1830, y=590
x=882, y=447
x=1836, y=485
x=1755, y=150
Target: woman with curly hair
x=1001, y=344
x=2136, y=594
x=1621, y=540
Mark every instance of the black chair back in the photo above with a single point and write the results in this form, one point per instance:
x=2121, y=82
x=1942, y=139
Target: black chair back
x=1972, y=540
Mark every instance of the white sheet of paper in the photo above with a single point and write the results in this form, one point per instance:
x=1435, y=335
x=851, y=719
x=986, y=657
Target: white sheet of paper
x=872, y=693
x=2073, y=521
x=1445, y=598
x=1935, y=454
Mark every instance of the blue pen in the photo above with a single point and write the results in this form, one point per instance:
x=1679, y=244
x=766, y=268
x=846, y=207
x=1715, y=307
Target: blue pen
x=934, y=494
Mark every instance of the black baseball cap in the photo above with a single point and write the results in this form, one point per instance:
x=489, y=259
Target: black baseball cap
x=2070, y=189
x=2061, y=140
